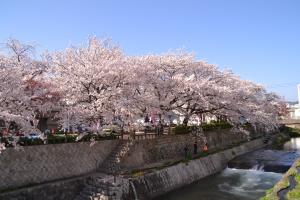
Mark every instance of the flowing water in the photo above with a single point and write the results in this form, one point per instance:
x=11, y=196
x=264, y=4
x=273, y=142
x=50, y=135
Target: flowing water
x=292, y=145
x=134, y=190
x=230, y=184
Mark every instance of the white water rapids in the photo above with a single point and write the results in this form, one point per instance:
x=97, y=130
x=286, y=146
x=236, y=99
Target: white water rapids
x=230, y=184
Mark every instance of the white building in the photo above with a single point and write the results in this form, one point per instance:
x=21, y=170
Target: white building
x=294, y=110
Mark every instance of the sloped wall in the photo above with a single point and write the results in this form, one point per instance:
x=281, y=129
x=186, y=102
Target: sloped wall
x=44, y=163
x=166, y=148
x=160, y=182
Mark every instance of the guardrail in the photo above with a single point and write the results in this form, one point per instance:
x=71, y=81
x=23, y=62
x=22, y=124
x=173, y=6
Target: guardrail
x=137, y=136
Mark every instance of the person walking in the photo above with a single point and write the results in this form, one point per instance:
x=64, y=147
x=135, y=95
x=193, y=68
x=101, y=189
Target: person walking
x=195, y=147
x=205, y=147
x=186, y=151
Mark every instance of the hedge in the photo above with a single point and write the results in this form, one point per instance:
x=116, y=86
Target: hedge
x=213, y=125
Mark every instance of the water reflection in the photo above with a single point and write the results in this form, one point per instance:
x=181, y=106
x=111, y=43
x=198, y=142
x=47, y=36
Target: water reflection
x=292, y=144
x=230, y=184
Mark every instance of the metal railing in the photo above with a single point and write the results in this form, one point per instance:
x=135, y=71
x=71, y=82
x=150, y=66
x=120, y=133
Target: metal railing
x=136, y=136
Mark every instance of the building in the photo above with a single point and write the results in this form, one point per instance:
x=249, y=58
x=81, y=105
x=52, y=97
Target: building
x=294, y=109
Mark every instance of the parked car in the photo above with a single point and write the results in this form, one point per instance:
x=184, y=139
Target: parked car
x=33, y=136
x=31, y=139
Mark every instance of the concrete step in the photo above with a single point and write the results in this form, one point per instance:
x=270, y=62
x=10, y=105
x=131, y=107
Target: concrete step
x=111, y=163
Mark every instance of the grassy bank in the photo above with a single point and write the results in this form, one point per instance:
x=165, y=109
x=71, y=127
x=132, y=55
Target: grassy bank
x=284, y=184
x=286, y=133
x=292, y=132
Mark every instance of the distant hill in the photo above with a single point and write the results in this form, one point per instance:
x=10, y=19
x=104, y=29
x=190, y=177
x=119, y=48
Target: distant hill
x=292, y=102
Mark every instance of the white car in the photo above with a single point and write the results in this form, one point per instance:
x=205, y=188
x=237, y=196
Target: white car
x=33, y=136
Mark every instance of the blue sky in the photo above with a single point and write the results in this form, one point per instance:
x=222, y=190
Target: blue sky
x=257, y=39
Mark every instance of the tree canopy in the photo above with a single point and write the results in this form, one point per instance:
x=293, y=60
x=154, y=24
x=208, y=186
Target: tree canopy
x=96, y=84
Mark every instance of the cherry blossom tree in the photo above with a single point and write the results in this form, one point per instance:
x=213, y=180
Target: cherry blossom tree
x=23, y=95
x=96, y=85
x=91, y=79
x=161, y=81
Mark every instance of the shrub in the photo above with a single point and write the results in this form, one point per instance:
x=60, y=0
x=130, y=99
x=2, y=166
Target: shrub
x=71, y=138
x=207, y=126
x=61, y=138
x=110, y=137
x=181, y=129
x=96, y=137
x=213, y=125
x=56, y=138
x=292, y=132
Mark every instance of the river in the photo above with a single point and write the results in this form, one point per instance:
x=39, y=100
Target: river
x=232, y=184
x=292, y=145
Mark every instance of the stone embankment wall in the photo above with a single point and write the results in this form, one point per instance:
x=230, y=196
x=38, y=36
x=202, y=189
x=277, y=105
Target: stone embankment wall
x=58, y=190
x=54, y=168
x=169, y=148
x=43, y=163
x=157, y=183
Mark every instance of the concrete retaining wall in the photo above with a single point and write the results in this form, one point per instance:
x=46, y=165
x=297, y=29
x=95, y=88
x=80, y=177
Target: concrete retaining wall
x=58, y=190
x=43, y=163
x=166, y=148
x=148, y=186
x=50, y=165
x=162, y=181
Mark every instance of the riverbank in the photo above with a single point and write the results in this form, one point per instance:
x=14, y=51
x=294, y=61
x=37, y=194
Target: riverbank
x=288, y=187
x=229, y=184
x=153, y=184
x=151, y=167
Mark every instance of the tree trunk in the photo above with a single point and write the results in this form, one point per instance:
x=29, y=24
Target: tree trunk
x=186, y=120
x=170, y=124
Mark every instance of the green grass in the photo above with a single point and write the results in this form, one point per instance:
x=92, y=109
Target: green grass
x=295, y=193
x=297, y=163
x=271, y=194
x=137, y=174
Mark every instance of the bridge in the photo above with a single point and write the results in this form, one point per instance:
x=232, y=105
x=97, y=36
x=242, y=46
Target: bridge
x=294, y=123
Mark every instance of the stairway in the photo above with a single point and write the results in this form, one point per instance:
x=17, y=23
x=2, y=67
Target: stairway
x=101, y=187
x=111, y=165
